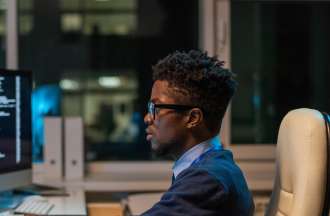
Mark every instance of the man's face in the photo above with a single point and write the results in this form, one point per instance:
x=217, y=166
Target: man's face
x=166, y=130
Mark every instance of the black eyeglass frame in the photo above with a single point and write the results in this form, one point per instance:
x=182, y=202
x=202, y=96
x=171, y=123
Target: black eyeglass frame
x=152, y=107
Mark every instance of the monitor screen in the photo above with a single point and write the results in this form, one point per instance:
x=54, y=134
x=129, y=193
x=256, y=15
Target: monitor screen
x=15, y=129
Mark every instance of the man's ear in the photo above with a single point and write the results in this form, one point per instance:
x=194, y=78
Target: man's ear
x=195, y=117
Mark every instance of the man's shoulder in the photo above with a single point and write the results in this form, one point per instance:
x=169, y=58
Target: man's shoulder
x=210, y=186
x=217, y=165
x=218, y=161
x=198, y=182
x=197, y=174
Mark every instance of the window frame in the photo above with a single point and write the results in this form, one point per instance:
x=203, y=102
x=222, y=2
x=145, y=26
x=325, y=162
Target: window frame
x=11, y=39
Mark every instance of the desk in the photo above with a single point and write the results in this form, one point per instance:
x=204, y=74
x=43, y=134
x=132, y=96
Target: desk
x=74, y=204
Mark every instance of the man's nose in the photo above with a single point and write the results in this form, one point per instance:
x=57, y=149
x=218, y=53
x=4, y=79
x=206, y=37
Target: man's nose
x=148, y=119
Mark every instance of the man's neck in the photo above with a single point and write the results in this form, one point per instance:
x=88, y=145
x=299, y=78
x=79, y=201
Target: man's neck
x=191, y=142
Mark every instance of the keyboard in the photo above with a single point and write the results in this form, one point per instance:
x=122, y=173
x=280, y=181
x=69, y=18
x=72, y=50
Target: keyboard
x=34, y=207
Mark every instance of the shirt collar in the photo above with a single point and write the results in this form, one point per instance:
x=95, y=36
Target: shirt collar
x=194, y=153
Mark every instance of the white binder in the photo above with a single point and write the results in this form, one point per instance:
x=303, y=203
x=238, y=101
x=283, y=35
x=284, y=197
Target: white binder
x=53, y=148
x=74, y=148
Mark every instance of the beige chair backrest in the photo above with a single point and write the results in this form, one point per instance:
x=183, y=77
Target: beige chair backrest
x=301, y=165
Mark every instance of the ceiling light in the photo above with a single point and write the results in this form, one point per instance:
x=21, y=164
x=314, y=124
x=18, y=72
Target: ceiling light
x=68, y=84
x=109, y=82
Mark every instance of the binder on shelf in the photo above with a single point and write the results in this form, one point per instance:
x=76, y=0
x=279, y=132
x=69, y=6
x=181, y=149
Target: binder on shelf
x=74, y=148
x=53, y=148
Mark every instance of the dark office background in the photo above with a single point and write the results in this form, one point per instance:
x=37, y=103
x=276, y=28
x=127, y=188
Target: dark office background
x=100, y=54
x=77, y=43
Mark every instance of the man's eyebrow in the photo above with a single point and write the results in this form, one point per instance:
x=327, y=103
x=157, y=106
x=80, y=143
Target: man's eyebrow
x=154, y=100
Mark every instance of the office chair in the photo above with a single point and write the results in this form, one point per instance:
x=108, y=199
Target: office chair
x=301, y=186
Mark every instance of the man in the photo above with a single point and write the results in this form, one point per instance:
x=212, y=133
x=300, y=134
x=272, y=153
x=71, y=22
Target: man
x=189, y=98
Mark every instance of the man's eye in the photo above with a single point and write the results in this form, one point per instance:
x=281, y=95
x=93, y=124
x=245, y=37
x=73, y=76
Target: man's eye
x=157, y=110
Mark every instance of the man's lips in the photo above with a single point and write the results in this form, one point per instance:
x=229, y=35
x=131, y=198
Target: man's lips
x=149, y=137
x=149, y=134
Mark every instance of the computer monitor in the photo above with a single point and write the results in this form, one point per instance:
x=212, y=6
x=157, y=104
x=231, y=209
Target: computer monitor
x=15, y=129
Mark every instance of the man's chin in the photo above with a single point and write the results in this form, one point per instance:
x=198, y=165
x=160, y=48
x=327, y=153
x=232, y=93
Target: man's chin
x=158, y=150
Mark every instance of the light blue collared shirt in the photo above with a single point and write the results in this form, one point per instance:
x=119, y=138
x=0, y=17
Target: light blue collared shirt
x=194, y=153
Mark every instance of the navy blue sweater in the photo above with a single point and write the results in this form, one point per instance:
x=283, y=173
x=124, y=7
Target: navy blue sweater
x=214, y=186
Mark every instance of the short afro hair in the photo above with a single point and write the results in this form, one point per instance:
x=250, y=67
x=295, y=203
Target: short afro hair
x=200, y=81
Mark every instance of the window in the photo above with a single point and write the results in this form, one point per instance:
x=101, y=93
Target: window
x=99, y=53
x=279, y=52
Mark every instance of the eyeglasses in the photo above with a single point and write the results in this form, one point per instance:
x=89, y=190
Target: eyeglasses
x=152, y=107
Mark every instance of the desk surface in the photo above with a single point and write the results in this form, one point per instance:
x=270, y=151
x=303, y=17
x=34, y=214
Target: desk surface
x=73, y=204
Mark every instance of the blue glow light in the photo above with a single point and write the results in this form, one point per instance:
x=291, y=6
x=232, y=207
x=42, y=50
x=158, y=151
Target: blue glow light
x=46, y=101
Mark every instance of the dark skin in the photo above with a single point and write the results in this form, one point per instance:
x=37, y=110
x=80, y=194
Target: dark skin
x=171, y=132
